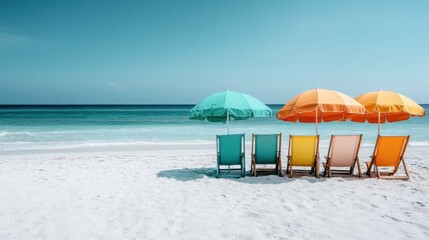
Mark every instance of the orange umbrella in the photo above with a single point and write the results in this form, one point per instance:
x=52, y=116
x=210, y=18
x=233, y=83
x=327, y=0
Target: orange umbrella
x=382, y=106
x=317, y=105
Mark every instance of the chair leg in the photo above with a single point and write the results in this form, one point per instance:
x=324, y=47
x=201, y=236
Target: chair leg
x=358, y=167
x=277, y=167
x=254, y=169
x=317, y=168
x=369, y=166
x=325, y=167
x=287, y=167
x=405, y=168
x=378, y=172
x=395, y=170
x=280, y=167
x=352, y=169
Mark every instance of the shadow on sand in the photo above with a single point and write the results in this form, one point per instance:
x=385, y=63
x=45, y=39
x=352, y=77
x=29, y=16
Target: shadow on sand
x=192, y=174
x=188, y=174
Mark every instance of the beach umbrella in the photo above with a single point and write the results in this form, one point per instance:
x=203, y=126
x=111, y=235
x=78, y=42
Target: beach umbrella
x=382, y=106
x=317, y=105
x=223, y=106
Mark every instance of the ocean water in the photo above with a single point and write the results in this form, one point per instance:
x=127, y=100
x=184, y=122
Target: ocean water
x=52, y=127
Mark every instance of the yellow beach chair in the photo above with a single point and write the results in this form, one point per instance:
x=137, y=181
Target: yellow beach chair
x=343, y=153
x=303, y=152
x=388, y=153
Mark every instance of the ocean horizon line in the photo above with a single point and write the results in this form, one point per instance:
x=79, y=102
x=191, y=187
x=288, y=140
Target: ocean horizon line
x=117, y=104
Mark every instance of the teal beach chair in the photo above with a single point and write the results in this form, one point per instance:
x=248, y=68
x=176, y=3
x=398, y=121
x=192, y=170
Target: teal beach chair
x=230, y=151
x=266, y=149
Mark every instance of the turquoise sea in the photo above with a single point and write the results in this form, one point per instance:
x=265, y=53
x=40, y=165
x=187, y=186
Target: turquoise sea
x=29, y=127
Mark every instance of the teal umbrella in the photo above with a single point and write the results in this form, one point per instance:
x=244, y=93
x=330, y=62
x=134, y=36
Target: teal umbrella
x=223, y=106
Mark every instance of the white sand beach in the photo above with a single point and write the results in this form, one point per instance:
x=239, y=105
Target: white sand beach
x=171, y=192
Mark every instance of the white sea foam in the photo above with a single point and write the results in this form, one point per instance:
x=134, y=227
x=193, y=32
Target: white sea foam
x=16, y=134
x=419, y=144
x=150, y=144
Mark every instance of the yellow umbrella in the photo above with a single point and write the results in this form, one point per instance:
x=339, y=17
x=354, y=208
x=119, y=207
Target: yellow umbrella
x=382, y=106
x=317, y=105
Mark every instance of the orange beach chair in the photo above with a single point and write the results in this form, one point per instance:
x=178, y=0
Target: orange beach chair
x=389, y=153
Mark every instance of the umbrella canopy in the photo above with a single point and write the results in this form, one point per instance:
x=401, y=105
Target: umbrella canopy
x=317, y=105
x=223, y=106
x=382, y=106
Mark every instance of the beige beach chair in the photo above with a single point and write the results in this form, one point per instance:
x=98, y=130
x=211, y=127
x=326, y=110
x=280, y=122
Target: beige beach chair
x=343, y=153
x=388, y=153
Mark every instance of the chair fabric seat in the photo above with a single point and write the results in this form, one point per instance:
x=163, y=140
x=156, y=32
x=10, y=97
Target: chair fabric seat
x=230, y=147
x=303, y=152
x=343, y=153
x=389, y=153
x=266, y=150
x=230, y=152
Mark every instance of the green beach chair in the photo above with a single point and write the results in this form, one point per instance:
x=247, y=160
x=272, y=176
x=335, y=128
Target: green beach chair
x=266, y=149
x=230, y=151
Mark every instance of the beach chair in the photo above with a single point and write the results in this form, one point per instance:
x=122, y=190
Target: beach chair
x=303, y=152
x=388, y=153
x=266, y=149
x=230, y=152
x=343, y=153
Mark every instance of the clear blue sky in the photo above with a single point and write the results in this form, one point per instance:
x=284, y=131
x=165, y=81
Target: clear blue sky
x=181, y=51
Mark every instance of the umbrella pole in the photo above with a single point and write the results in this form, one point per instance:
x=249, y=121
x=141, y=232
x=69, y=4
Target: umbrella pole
x=379, y=124
x=227, y=122
x=317, y=130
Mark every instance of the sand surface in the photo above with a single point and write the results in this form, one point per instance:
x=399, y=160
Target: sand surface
x=173, y=194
